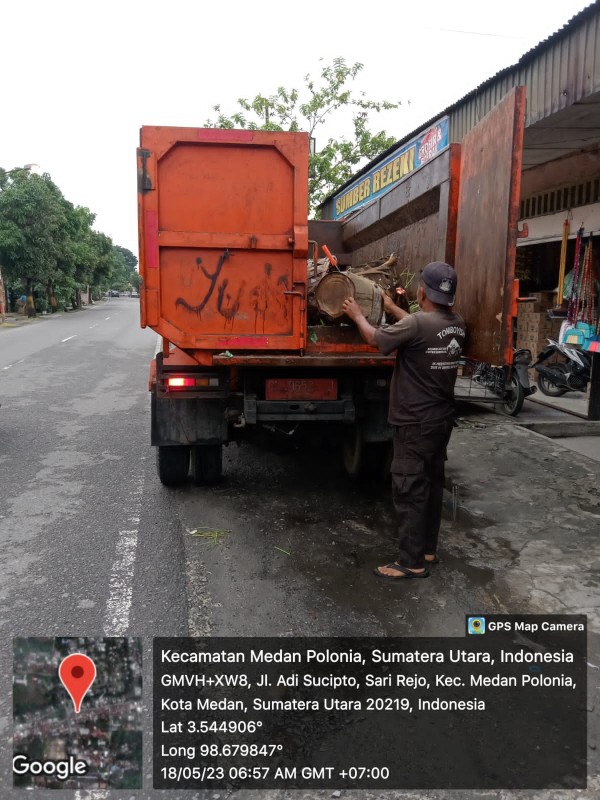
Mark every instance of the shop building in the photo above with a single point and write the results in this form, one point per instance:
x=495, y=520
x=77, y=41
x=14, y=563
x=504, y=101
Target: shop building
x=491, y=182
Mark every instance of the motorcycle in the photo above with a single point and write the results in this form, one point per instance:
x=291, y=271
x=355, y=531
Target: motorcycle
x=511, y=384
x=572, y=375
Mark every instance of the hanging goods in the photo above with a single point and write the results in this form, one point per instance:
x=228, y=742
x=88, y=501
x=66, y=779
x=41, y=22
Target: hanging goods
x=572, y=310
x=563, y=263
x=586, y=288
x=578, y=334
x=592, y=345
x=574, y=336
x=581, y=302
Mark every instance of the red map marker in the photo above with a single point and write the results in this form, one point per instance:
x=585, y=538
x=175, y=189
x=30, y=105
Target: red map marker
x=77, y=673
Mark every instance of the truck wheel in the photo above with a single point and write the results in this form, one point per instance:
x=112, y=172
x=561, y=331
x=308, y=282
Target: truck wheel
x=172, y=464
x=207, y=463
x=364, y=459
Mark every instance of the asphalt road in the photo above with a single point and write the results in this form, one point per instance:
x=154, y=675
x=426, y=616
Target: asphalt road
x=93, y=545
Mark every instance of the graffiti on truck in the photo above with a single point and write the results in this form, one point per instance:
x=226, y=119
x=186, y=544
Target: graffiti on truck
x=212, y=277
x=267, y=293
x=230, y=311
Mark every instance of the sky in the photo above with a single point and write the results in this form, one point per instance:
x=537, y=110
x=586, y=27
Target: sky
x=80, y=77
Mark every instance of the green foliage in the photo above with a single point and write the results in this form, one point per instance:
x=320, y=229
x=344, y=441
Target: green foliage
x=126, y=276
x=130, y=260
x=289, y=110
x=48, y=246
x=33, y=228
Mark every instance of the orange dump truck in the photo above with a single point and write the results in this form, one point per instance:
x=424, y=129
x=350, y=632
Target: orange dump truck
x=223, y=259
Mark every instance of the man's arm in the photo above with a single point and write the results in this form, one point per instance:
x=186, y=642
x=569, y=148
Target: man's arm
x=393, y=309
x=367, y=331
x=387, y=338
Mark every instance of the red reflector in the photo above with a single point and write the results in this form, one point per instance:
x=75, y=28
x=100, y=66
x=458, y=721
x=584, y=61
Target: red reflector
x=180, y=383
x=301, y=389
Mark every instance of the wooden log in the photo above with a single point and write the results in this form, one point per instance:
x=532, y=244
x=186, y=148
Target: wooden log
x=336, y=287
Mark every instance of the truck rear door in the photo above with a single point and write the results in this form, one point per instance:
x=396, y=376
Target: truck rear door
x=488, y=210
x=223, y=237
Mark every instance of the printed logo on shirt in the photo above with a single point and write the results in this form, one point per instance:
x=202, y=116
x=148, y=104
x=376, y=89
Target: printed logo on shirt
x=453, y=329
x=454, y=349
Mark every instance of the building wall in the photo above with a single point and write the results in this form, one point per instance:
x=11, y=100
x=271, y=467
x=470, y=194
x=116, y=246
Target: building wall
x=414, y=245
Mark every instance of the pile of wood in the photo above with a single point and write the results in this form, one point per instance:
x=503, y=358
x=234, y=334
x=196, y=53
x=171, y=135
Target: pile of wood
x=329, y=286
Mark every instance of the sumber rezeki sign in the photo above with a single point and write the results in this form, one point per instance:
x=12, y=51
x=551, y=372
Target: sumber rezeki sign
x=406, y=159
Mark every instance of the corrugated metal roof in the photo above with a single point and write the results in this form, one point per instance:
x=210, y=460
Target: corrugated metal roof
x=556, y=76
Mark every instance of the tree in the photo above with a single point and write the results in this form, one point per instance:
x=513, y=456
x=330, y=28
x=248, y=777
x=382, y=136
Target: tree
x=105, y=259
x=129, y=258
x=33, y=230
x=79, y=257
x=131, y=277
x=48, y=246
x=336, y=162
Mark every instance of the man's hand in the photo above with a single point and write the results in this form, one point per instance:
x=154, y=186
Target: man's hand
x=351, y=309
x=392, y=309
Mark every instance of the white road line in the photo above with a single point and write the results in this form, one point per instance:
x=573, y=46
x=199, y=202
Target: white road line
x=93, y=326
x=118, y=606
x=68, y=337
x=105, y=318
x=9, y=366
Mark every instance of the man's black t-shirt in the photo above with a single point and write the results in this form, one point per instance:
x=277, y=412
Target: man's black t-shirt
x=429, y=345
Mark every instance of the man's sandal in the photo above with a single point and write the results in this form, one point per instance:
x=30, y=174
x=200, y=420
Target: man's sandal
x=405, y=573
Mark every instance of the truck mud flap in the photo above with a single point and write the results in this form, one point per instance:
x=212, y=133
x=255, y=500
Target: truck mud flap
x=187, y=421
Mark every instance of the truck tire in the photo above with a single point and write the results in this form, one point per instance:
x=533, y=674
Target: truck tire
x=207, y=463
x=172, y=464
x=364, y=459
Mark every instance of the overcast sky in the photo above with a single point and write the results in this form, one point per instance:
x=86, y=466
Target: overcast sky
x=79, y=78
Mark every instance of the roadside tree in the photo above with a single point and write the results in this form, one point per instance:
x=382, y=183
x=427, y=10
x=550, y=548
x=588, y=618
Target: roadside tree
x=33, y=230
x=132, y=276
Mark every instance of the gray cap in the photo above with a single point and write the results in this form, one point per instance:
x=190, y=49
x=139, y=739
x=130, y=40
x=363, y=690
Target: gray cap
x=439, y=280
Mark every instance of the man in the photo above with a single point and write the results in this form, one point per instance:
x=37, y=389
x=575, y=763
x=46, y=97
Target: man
x=428, y=344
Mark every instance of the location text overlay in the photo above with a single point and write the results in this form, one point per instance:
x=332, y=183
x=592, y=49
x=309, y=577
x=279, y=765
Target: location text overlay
x=503, y=707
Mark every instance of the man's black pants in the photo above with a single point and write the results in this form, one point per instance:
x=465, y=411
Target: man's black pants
x=418, y=487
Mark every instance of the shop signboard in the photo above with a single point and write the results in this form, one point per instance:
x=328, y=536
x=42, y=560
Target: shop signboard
x=389, y=173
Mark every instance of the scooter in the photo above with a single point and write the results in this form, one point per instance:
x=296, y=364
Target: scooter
x=572, y=375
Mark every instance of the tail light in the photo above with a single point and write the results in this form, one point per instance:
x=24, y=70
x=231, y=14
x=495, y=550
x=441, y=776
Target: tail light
x=175, y=382
x=180, y=383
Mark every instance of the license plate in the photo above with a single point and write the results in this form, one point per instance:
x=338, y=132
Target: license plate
x=301, y=389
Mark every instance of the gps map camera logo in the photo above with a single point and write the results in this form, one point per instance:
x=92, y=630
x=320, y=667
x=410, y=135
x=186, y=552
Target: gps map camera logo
x=476, y=625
